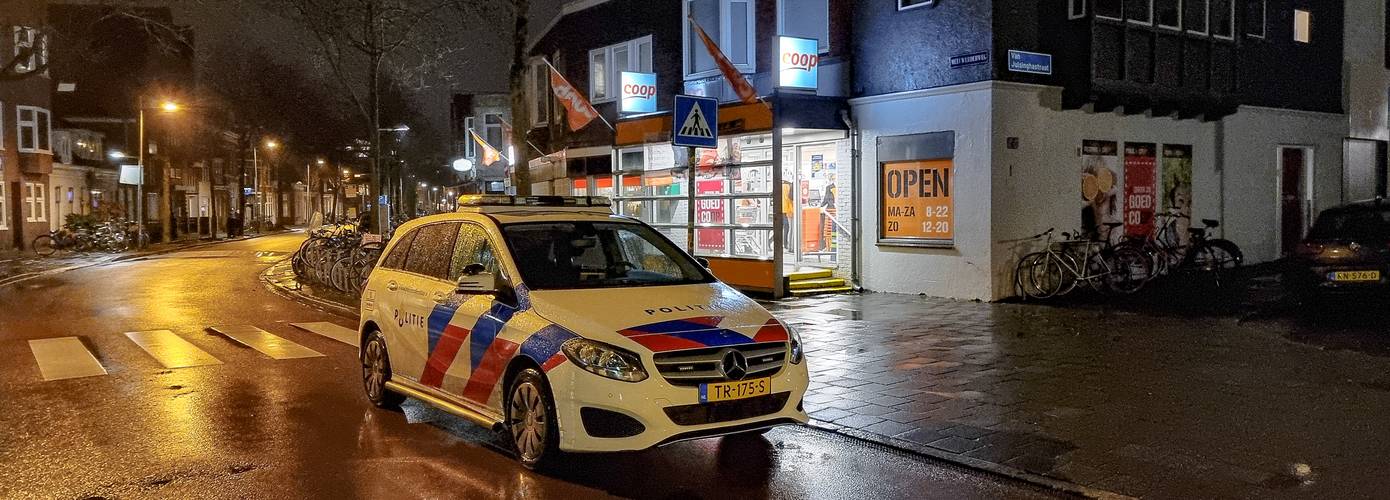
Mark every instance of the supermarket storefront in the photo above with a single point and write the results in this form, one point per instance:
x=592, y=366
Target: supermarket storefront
x=766, y=202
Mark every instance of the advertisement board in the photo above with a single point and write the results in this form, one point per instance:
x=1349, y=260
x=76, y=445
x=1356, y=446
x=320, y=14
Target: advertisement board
x=639, y=92
x=710, y=211
x=1140, y=180
x=1102, y=182
x=1177, y=187
x=799, y=63
x=916, y=202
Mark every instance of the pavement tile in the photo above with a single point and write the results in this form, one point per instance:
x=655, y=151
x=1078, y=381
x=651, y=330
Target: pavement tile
x=921, y=436
x=858, y=421
x=967, y=431
x=889, y=428
x=955, y=444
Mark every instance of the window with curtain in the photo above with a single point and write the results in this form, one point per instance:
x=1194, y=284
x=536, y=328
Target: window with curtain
x=805, y=19
x=730, y=24
x=607, y=64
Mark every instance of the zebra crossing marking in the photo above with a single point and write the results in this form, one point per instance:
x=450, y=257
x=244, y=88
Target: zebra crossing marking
x=331, y=330
x=267, y=343
x=171, y=350
x=64, y=357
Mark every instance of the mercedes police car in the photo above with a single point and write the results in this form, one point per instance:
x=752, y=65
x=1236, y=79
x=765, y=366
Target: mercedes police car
x=572, y=330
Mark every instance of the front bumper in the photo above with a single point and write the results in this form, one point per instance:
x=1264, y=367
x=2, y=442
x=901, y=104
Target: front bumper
x=657, y=404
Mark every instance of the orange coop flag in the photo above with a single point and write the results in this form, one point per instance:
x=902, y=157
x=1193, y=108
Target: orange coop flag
x=490, y=154
x=745, y=90
x=577, y=109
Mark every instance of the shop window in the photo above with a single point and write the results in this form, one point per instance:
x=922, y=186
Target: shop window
x=37, y=208
x=470, y=146
x=607, y=64
x=730, y=23
x=30, y=38
x=1076, y=9
x=33, y=129
x=1168, y=13
x=1195, y=16
x=909, y=4
x=539, y=102
x=1109, y=9
x=1255, y=18
x=805, y=19
x=1302, y=26
x=4, y=206
x=1223, y=19
x=1139, y=11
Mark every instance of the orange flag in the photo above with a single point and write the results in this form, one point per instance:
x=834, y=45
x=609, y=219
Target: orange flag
x=745, y=90
x=490, y=154
x=577, y=108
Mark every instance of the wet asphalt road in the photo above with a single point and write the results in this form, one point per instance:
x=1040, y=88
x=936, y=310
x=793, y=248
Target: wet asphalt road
x=254, y=427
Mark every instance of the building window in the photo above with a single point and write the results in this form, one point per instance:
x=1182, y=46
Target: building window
x=33, y=200
x=33, y=130
x=729, y=23
x=2, y=129
x=1302, y=26
x=1223, y=19
x=1109, y=9
x=607, y=64
x=1255, y=18
x=492, y=131
x=908, y=4
x=1139, y=11
x=30, y=38
x=4, y=206
x=806, y=19
x=1076, y=9
x=1169, y=13
x=540, y=92
x=470, y=146
x=1195, y=16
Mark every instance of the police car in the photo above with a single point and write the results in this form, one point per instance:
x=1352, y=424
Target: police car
x=572, y=330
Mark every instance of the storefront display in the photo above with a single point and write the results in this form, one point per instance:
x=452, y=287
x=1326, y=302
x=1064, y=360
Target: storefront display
x=917, y=202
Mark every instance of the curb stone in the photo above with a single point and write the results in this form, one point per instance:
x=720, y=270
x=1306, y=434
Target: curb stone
x=970, y=463
x=279, y=286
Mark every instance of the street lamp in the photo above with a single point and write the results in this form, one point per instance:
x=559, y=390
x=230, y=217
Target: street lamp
x=256, y=181
x=167, y=107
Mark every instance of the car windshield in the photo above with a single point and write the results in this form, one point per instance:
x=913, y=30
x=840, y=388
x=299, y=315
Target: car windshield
x=1364, y=225
x=556, y=255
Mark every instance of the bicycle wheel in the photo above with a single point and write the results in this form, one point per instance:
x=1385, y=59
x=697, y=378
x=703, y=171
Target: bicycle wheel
x=1215, y=261
x=1048, y=276
x=1129, y=270
x=1023, y=277
x=44, y=245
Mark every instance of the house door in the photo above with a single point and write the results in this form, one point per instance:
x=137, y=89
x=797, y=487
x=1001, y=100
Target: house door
x=1294, y=198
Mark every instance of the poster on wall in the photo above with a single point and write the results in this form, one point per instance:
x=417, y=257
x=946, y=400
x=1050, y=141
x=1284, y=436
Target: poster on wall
x=709, y=211
x=916, y=201
x=1101, y=181
x=1140, y=184
x=1177, y=187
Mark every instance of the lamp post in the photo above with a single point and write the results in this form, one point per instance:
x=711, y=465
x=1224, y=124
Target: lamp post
x=256, y=180
x=167, y=107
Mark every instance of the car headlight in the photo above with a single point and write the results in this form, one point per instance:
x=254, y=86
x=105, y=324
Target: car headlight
x=604, y=360
x=794, y=338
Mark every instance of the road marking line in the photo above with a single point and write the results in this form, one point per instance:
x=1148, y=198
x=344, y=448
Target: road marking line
x=171, y=350
x=65, y=357
x=265, y=342
x=330, y=330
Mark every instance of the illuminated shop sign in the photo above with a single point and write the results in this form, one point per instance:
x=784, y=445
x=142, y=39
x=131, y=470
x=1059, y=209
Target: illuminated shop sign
x=798, y=63
x=639, y=92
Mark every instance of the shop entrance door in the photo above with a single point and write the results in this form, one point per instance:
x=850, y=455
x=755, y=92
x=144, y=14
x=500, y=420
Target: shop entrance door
x=808, y=203
x=1294, y=198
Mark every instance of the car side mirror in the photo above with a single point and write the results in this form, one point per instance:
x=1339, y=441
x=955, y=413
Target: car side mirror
x=476, y=280
x=703, y=262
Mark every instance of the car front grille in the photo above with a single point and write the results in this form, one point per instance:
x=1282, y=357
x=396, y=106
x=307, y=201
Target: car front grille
x=699, y=366
x=727, y=411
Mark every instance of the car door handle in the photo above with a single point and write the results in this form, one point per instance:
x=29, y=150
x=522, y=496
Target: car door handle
x=392, y=286
x=440, y=297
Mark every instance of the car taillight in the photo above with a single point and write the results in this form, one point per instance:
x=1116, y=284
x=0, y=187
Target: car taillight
x=1307, y=249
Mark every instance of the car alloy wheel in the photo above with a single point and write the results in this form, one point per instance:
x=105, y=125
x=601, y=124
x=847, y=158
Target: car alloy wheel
x=376, y=370
x=531, y=419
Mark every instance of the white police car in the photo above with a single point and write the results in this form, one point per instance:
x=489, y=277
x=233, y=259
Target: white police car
x=572, y=329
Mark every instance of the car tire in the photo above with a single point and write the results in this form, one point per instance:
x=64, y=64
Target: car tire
x=530, y=425
x=376, y=370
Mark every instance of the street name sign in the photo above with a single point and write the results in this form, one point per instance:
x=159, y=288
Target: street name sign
x=696, y=122
x=1030, y=62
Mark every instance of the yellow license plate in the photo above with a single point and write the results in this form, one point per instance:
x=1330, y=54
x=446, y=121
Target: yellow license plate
x=724, y=391
x=1354, y=276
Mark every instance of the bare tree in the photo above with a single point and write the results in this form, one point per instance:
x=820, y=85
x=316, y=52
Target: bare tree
x=516, y=13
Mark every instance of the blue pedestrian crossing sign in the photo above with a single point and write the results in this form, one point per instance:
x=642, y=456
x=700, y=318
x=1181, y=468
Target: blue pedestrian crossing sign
x=696, y=122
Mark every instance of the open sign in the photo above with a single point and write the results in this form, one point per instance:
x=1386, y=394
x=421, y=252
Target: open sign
x=799, y=63
x=639, y=92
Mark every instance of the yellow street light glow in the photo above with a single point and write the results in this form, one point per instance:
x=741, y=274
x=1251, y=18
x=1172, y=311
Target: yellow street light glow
x=345, y=171
x=320, y=161
x=169, y=106
x=271, y=144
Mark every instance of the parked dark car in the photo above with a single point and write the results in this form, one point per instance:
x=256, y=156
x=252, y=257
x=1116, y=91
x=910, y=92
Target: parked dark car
x=1347, y=249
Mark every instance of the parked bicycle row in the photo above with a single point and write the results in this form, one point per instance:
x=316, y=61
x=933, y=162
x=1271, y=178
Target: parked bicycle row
x=339, y=256
x=81, y=235
x=1126, y=264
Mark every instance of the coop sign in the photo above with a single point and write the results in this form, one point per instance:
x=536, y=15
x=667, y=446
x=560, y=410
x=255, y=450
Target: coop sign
x=799, y=64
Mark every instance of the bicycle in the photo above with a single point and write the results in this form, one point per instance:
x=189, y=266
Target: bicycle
x=1061, y=266
x=1214, y=258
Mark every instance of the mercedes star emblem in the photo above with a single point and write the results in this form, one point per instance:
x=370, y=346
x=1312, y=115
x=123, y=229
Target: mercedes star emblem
x=734, y=365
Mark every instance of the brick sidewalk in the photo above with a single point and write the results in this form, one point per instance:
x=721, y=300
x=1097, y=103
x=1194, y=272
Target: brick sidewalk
x=1159, y=407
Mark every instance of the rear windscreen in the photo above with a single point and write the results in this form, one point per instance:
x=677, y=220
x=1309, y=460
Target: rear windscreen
x=1358, y=225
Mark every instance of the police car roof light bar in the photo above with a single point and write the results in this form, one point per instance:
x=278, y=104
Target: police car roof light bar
x=498, y=200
